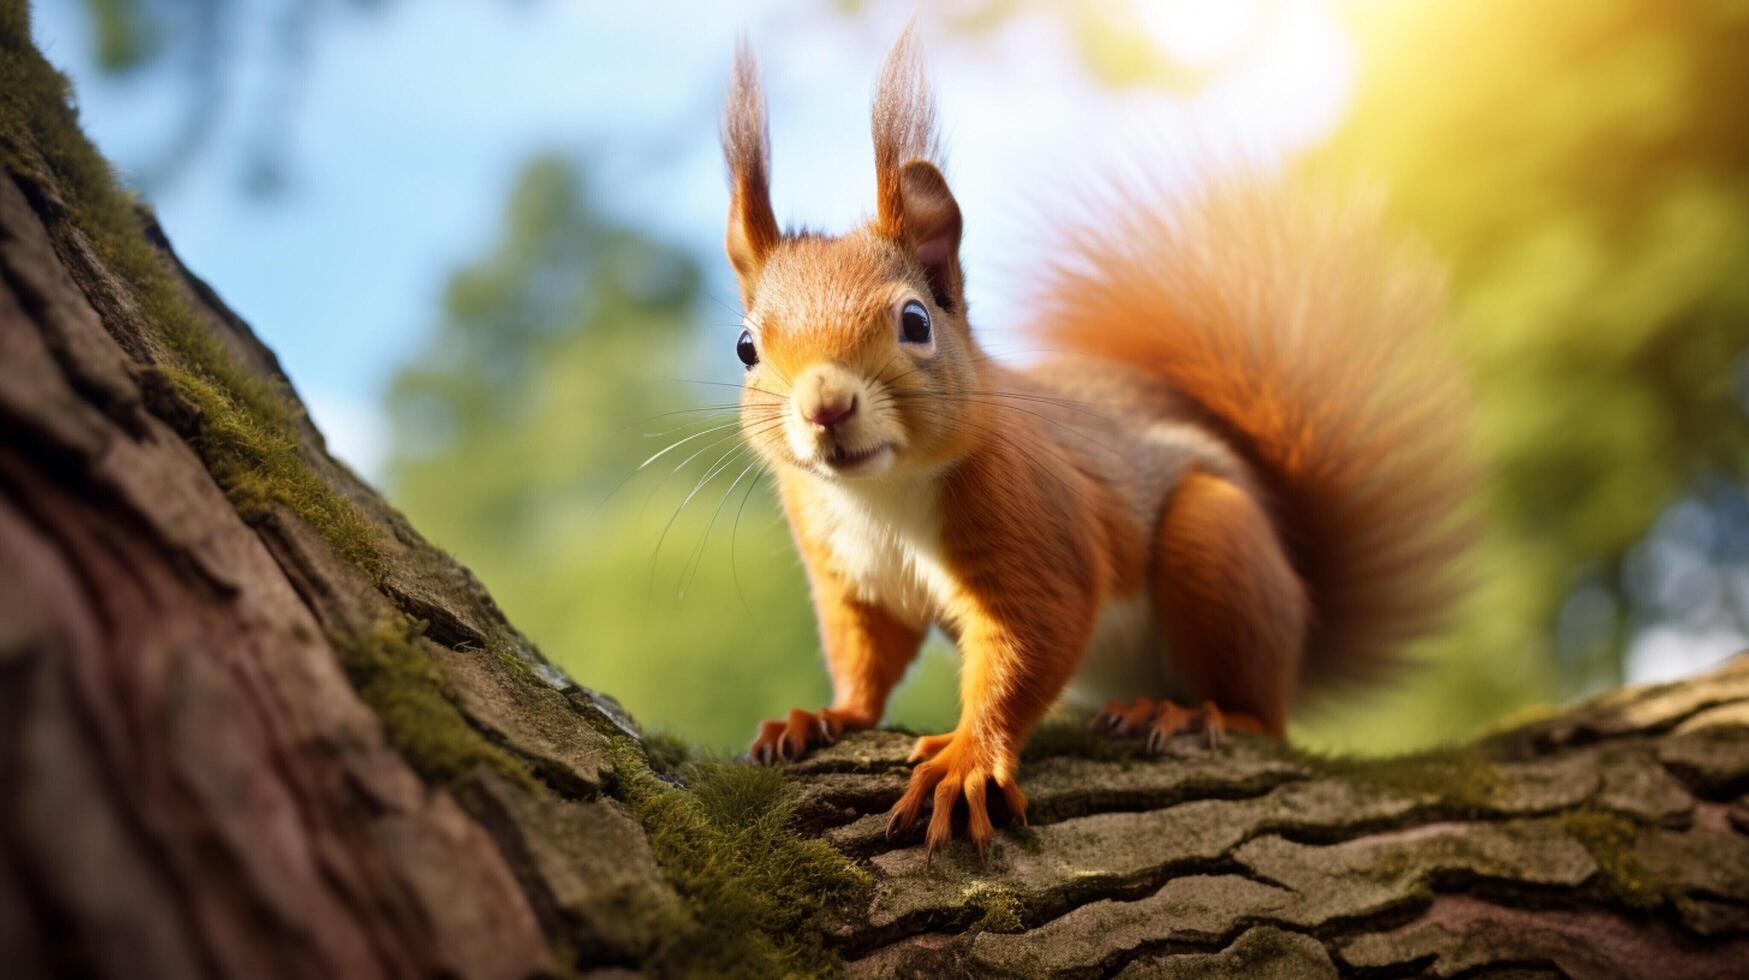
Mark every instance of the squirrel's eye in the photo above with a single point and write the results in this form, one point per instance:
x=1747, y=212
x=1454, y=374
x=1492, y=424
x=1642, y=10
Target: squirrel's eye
x=745, y=350
x=914, y=323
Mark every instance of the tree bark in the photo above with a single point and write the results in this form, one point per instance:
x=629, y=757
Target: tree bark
x=228, y=747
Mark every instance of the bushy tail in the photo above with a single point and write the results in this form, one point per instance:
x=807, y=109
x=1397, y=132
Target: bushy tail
x=1304, y=333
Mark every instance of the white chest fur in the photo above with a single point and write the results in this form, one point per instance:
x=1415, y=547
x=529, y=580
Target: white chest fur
x=885, y=538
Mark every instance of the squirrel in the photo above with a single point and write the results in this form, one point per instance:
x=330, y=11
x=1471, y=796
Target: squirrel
x=1241, y=473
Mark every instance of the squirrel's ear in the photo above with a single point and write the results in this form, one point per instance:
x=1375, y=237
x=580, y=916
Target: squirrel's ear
x=752, y=232
x=915, y=208
x=929, y=228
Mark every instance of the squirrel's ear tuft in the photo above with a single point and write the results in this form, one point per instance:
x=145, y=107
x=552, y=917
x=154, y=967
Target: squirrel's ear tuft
x=914, y=206
x=752, y=232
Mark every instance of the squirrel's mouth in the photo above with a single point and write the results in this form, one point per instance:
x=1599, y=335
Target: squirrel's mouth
x=859, y=462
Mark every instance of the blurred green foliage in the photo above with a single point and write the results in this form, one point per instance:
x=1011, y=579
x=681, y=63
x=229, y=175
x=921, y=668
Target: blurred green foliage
x=201, y=47
x=1583, y=169
x=519, y=432
x=124, y=34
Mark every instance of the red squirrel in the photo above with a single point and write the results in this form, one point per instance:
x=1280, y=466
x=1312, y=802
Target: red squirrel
x=1237, y=476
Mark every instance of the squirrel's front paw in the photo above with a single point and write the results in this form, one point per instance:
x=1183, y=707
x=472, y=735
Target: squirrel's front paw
x=961, y=769
x=791, y=738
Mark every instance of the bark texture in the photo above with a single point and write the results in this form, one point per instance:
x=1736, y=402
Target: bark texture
x=234, y=742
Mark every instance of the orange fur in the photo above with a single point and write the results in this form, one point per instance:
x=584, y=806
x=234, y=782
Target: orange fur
x=1304, y=334
x=903, y=128
x=1234, y=610
x=1266, y=492
x=752, y=230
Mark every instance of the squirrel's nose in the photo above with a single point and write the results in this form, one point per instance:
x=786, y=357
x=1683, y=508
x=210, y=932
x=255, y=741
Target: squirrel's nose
x=829, y=414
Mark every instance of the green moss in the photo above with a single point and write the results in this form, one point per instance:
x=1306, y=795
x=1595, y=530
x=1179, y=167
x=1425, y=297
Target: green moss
x=1001, y=907
x=667, y=752
x=416, y=702
x=1463, y=777
x=247, y=425
x=251, y=447
x=1611, y=839
x=758, y=892
x=522, y=669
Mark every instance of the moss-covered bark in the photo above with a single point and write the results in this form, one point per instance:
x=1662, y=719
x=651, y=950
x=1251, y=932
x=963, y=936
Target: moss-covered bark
x=251, y=723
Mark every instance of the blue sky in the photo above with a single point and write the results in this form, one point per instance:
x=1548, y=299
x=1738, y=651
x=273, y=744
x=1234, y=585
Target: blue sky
x=411, y=121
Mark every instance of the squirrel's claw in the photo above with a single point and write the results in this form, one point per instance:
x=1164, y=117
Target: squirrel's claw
x=1120, y=719
x=766, y=745
x=1012, y=796
x=1214, y=725
x=1169, y=720
x=954, y=772
x=1163, y=719
x=901, y=818
x=788, y=739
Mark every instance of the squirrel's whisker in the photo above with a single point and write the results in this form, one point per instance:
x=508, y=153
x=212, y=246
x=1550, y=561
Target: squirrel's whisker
x=665, y=450
x=757, y=429
x=722, y=462
x=697, y=558
x=623, y=481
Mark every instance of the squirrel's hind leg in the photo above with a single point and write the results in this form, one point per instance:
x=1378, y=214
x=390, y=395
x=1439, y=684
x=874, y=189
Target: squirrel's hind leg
x=1161, y=719
x=1233, y=611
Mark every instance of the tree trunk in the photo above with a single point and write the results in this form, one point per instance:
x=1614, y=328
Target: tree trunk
x=252, y=724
